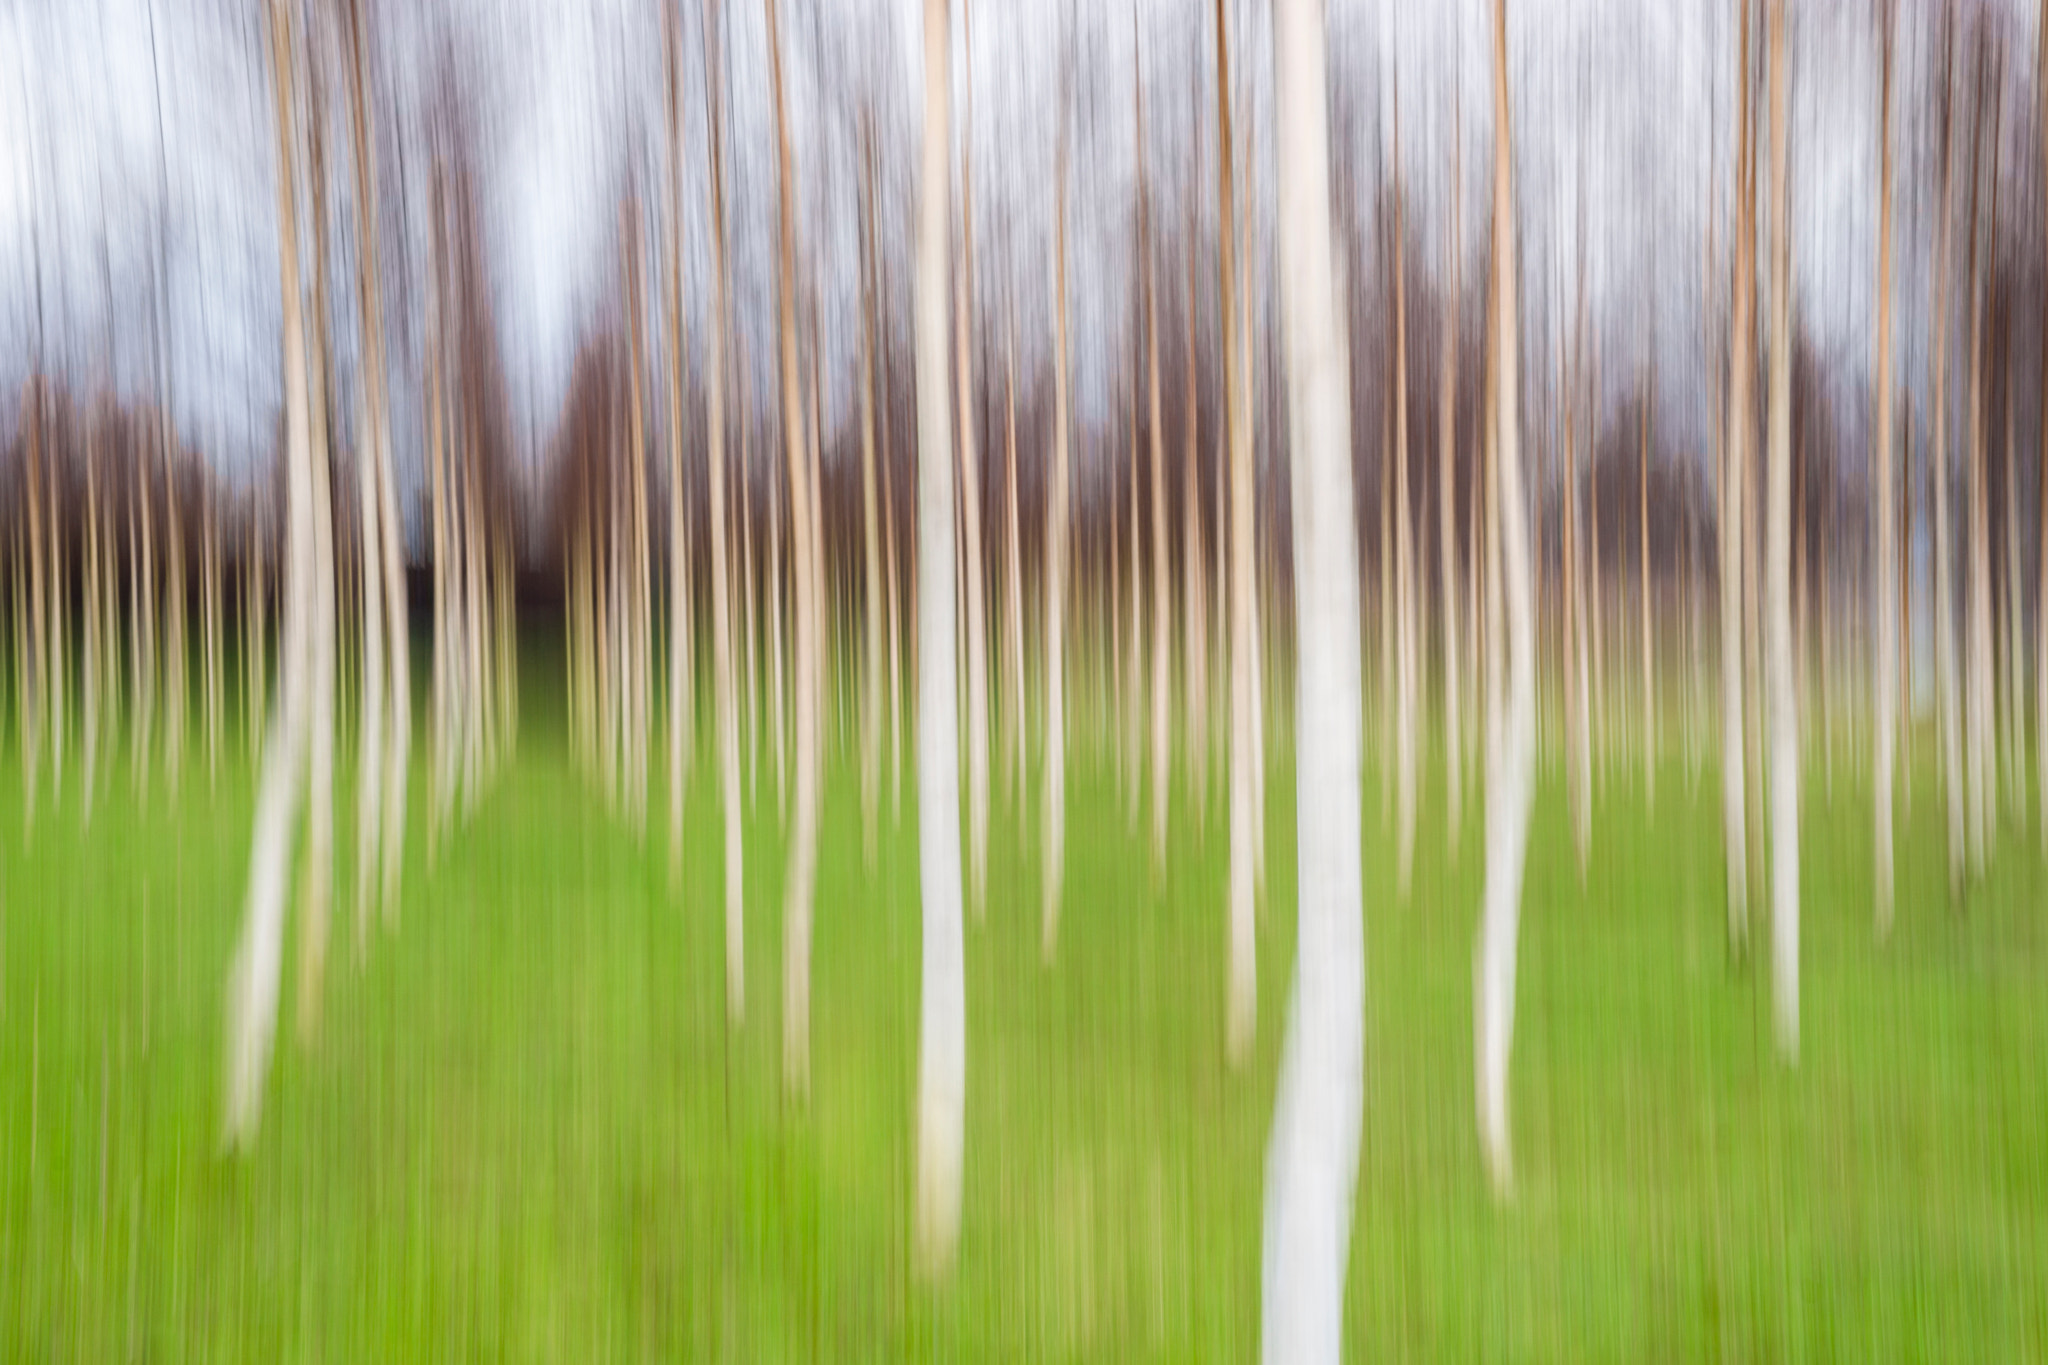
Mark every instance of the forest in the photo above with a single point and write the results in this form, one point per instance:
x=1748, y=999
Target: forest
x=733, y=679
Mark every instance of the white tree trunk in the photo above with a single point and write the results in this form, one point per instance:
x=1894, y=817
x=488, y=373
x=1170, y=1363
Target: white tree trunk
x=253, y=977
x=1511, y=766
x=1312, y=1156
x=1784, y=714
x=1242, y=1007
x=942, y=1013
x=1885, y=716
x=975, y=608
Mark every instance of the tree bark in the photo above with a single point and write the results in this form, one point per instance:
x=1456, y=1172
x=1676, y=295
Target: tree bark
x=1511, y=767
x=942, y=1017
x=1885, y=716
x=1058, y=521
x=1784, y=713
x=253, y=977
x=1734, y=472
x=1312, y=1157
x=976, y=644
x=1242, y=988
x=796, y=962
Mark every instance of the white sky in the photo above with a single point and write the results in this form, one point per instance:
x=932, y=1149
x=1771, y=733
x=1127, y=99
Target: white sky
x=1623, y=124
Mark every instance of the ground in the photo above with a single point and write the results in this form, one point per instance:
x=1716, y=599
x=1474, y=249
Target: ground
x=524, y=1131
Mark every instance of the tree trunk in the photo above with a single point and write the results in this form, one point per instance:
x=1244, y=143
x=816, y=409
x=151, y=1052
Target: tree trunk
x=1016, y=743
x=1242, y=1008
x=1446, y=500
x=1194, y=561
x=721, y=571
x=253, y=977
x=1643, y=591
x=1511, y=766
x=975, y=607
x=1312, y=1157
x=682, y=635
x=91, y=709
x=1784, y=713
x=871, y=691
x=1058, y=521
x=1405, y=721
x=377, y=678
x=796, y=962
x=1161, y=606
x=317, y=887
x=942, y=1016
x=1885, y=715
x=1734, y=471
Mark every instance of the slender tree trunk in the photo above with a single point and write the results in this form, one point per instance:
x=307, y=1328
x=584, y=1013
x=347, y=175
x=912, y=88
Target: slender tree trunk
x=1406, y=595
x=976, y=644
x=1446, y=500
x=1016, y=742
x=1734, y=471
x=871, y=692
x=1886, y=711
x=1784, y=714
x=1312, y=1156
x=1194, y=561
x=1946, y=666
x=1975, y=578
x=942, y=993
x=1058, y=520
x=796, y=962
x=1643, y=592
x=1242, y=986
x=317, y=887
x=253, y=977
x=91, y=716
x=1511, y=770
x=682, y=637
x=893, y=601
x=1162, y=592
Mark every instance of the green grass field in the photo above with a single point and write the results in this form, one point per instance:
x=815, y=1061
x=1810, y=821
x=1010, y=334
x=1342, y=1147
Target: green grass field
x=524, y=1131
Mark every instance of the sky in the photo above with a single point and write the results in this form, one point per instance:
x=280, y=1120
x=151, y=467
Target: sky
x=138, y=191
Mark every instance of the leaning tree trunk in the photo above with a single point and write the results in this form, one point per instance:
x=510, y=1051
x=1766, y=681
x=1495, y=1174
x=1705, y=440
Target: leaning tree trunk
x=253, y=978
x=317, y=884
x=942, y=1011
x=372, y=786
x=803, y=849
x=1242, y=1008
x=1885, y=712
x=1784, y=713
x=1512, y=766
x=1312, y=1156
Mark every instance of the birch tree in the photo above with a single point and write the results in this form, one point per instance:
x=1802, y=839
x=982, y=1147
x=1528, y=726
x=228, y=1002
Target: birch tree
x=1783, y=715
x=1241, y=1012
x=1886, y=711
x=1058, y=523
x=796, y=940
x=942, y=992
x=253, y=977
x=1511, y=764
x=1734, y=471
x=975, y=607
x=1312, y=1156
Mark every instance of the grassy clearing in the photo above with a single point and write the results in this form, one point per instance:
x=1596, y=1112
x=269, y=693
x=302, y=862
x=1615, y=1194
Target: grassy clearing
x=524, y=1131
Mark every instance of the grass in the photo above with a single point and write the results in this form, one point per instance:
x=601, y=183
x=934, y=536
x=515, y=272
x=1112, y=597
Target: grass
x=524, y=1131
